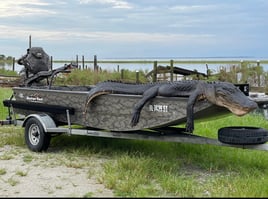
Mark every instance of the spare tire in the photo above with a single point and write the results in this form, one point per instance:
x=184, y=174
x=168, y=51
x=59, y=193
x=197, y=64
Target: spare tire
x=242, y=135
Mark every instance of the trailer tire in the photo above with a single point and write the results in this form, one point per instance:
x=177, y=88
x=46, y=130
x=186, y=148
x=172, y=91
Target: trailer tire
x=242, y=135
x=35, y=137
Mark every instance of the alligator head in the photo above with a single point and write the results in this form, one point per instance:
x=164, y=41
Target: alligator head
x=228, y=95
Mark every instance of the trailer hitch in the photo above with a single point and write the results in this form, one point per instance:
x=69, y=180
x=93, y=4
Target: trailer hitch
x=8, y=121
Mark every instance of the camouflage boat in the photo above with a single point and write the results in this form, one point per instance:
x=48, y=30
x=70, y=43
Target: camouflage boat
x=110, y=112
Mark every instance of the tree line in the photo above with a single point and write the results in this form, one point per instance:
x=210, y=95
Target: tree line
x=5, y=58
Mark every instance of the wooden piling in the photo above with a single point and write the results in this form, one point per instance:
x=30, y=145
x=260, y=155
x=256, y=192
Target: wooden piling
x=83, y=62
x=137, y=77
x=95, y=63
x=51, y=63
x=122, y=73
x=77, y=62
x=13, y=64
x=171, y=70
x=30, y=41
x=155, y=72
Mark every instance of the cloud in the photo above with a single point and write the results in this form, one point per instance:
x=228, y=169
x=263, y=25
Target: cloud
x=113, y=3
x=121, y=25
x=192, y=8
x=9, y=32
x=11, y=8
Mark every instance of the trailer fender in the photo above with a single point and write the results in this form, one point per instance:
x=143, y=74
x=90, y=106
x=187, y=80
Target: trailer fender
x=45, y=120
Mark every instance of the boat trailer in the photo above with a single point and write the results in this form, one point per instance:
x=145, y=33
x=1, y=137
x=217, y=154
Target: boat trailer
x=40, y=128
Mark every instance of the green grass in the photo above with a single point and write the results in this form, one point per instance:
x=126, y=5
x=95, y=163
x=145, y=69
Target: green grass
x=162, y=169
x=8, y=72
x=89, y=77
x=152, y=169
x=5, y=93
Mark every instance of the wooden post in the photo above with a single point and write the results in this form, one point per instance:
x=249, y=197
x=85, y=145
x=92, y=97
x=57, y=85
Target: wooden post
x=122, y=73
x=155, y=72
x=118, y=68
x=77, y=61
x=51, y=63
x=258, y=73
x=171, y=70
x=207, y=70
x=95, y=63
x=83, y=62
x=13, y=64
x=137, y=76
x=30, y=41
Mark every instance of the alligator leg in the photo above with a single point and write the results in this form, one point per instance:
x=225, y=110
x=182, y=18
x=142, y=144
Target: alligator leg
x=147, y=95
x=190, y=111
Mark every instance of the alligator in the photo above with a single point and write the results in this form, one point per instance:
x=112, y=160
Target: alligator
x=223, y=94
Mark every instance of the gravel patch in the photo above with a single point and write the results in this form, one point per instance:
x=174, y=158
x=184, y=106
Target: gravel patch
x=24, y=173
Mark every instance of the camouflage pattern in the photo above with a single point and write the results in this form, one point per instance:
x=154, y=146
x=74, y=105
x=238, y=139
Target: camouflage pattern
x=114, y=111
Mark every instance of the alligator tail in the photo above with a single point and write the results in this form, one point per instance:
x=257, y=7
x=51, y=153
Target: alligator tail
x=89, y=99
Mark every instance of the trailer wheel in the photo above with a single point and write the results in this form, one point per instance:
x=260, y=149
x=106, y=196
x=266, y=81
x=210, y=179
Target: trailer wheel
x=242, y=135
x=35, y=137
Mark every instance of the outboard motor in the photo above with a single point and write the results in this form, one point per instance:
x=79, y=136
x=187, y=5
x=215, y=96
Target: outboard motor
x=37, y=67
x=34, y=61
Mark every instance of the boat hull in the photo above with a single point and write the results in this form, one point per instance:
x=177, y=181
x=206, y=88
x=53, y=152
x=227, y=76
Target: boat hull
x=113, y=112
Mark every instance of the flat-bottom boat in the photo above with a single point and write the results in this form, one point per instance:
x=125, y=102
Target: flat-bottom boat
x=111, y=112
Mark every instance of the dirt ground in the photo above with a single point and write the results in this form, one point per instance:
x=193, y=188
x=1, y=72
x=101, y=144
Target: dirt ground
x=24, y=173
